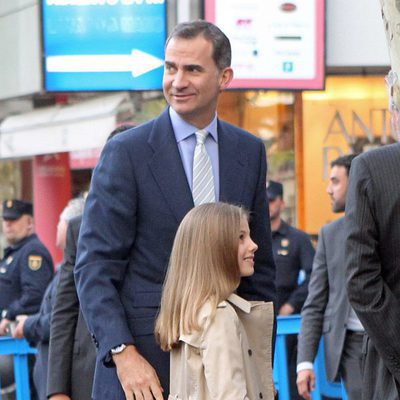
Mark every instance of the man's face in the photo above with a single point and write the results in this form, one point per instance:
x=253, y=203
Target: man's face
x=192, y=82
x=276, y=206
x=337, y=188
x=17, y=229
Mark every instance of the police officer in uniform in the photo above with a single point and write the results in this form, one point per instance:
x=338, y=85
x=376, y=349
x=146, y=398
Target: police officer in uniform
x=26, y=268
x=293, y=254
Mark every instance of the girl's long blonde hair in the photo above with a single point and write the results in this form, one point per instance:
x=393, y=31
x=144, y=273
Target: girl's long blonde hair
x=203, y=267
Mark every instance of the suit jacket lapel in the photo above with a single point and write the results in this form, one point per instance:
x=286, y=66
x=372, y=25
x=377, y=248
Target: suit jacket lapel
x=167, y=168
x=232, y=164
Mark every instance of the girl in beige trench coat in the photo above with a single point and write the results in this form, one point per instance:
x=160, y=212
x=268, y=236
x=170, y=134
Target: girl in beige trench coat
x=220, y=343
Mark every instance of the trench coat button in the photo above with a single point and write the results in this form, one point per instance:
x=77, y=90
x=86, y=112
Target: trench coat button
x=260, y=395
x=250, y=352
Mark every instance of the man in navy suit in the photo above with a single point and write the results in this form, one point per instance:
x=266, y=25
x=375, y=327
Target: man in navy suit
x=141, y=189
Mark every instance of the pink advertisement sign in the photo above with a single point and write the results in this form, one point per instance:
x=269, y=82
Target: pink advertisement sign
x=276, y=44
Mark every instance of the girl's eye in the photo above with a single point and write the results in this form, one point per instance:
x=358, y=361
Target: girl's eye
x=241, y=237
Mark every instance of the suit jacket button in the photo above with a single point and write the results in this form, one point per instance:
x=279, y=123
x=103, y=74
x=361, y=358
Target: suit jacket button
x=260, y=395
x=250, y=352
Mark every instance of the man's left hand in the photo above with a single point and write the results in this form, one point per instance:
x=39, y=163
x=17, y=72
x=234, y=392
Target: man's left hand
x=286, y=309
x=19, y=329
x=3, y=326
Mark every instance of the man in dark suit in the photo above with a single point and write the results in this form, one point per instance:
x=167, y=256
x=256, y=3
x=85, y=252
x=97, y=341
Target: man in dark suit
x=72, y=354
x=373, y=265
x=141, y=190
x=327, y=310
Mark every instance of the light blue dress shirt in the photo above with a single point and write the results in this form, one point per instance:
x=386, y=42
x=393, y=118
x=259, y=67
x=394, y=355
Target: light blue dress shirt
x=186, y=140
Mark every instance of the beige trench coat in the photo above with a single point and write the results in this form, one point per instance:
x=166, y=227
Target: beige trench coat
x=230, y=359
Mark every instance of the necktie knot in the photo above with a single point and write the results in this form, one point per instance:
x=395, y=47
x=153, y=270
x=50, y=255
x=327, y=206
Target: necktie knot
x=201, y=136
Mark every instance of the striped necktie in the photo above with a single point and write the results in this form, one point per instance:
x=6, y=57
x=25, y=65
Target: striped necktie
x=203, y=179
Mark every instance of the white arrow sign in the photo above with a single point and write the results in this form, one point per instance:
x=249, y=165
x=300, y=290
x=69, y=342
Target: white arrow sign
x=138, y=62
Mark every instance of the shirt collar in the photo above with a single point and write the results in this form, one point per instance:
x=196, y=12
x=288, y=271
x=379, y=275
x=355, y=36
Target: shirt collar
x=183, y=129
x=283, y=228
x=26, y=239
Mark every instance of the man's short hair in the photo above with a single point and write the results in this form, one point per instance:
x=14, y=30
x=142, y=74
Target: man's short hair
x=73, y=209
x=344, y=161
x=222, y=53
x=119, y=129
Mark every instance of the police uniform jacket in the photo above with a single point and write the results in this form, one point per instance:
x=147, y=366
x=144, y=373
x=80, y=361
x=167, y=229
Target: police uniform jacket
x=25, y=272
x=293, y=252
x=230, y=358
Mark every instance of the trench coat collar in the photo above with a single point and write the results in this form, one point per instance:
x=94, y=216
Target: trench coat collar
x=240, y=303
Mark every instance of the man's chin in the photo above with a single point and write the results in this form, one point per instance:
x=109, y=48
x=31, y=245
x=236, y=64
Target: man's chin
x=337, y=209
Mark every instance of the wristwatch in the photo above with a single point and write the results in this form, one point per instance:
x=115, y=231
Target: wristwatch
x=118, y=349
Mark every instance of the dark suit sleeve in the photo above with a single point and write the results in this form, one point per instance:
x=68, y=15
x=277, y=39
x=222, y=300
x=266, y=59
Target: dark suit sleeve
x=306, y=257
x=375, y=304
x=314, y=307
x=261, y=286
x=106, y=239
x=37, y=326
x=64, y=320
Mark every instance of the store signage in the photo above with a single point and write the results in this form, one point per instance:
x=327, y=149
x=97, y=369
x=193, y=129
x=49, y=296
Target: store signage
x=103, y=44
x=275, y=44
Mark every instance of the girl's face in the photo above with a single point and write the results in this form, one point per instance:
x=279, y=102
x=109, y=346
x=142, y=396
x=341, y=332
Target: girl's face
x=246, y=250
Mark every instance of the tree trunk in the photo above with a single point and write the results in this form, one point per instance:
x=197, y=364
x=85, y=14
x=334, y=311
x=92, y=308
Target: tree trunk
x=391, y=20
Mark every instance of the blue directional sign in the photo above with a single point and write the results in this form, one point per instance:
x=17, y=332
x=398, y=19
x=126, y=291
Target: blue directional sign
x=103, y=44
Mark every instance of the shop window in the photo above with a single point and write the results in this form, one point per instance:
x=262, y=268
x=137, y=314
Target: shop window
x=270, y=116
x=350, y=116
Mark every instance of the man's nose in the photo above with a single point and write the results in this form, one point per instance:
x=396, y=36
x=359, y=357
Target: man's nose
x=328, y=189
x=180, y=80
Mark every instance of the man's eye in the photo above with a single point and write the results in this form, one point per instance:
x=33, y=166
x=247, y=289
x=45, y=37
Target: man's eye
x=169, y=68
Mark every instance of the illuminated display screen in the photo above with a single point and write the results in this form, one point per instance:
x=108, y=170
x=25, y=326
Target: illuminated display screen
x=101, y=45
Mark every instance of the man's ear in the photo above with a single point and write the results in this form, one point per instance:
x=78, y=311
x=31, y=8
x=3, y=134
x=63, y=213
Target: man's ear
x=31, y=223
x=225, y=78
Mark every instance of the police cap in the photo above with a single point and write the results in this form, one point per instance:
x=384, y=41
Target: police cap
x=14, y=209
x=274, y=190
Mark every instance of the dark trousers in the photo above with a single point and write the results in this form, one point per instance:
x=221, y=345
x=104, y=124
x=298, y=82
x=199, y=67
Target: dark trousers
x=159, y=359
x=350, y=364
x=378, y=383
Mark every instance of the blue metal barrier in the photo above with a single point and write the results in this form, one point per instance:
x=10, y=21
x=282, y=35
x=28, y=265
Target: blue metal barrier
x=323, y=387
x=20, y=349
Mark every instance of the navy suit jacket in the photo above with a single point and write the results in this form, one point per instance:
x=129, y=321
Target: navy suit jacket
x=139, y=195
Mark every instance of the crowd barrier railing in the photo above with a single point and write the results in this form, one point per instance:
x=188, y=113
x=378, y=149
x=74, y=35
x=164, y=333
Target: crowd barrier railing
x=323, y=387
x=20, y=349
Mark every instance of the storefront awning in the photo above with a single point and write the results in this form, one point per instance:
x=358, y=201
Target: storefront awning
x=80, y=126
